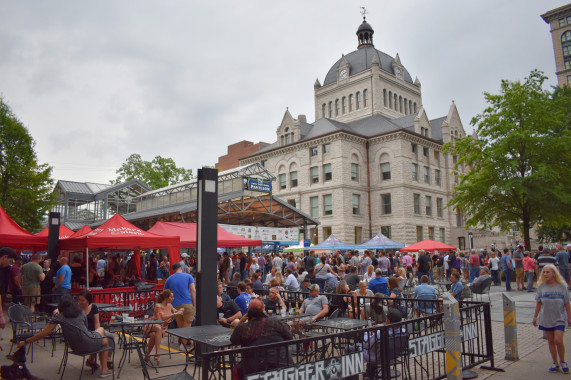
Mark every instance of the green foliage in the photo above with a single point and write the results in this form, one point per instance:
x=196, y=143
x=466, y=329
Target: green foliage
x=158, y=173
x=548, y=234
x=25, y=186
x=519, y=165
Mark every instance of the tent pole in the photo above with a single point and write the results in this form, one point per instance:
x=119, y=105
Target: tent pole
x=87, y=267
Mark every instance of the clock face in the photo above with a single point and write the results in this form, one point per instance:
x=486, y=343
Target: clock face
x=398, y=72
x=343, y=74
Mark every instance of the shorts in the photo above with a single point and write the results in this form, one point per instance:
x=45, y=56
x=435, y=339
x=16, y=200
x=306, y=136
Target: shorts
x=519, y=273
x=556, y=328
x=31, y=292
x=185, y=320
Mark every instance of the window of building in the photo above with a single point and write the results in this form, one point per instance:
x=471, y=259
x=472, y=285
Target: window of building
x=386, y=207
x=400, y=104
x=396, y=102
x=327, y=232
x=358, y=99
x=385, y=97
x=568, y=20
x=416, y=202
x=415, y=110
x=414, y=148
x=386, y=171
x=337, y=107
x=568, y=65
x=324, y=110
x=386, y=230
x=326, y=148
x=327, y=173
x=287, y=138
x=344, y=105
x=561, y=22
x=454, y=159
x=569, y=78
x=356, y=204
x=330, y=109
x=355, y=172
x=358, y=235
x=426, y=174
x=439, y=203
x=459, y=219
x=328, y=204
x=282, y=181
x=390, y=99
x=428, y=201
x=437, y=178
x=431, y=233
x=419, y=233
x=365, y=97
x=265, y=163
x=314, y=152
x=314, y=172
x=442, y=238
x=414, y=168
x=425, y=150
x=291, y=202
x=350, y=102
x=436, y=155
x=293, y=179
x=314, y=204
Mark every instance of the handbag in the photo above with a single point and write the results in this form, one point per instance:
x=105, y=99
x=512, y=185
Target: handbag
x=238, y=370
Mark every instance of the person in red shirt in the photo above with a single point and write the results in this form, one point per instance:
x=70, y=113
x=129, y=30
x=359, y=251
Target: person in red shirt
x=529, y=269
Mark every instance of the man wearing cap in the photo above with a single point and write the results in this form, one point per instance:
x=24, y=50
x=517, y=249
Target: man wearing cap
x=479, y=281
x=379, y=284
x=562, y=258
x=184, y=262
x=518, y=258
x=545, y=258
x=184, y=290
x=317, y=306
x=507, y=267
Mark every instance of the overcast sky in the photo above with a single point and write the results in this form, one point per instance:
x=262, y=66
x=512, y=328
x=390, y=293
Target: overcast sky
x=95, y=81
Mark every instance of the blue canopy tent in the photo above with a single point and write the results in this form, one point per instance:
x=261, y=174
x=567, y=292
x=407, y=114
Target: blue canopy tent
x=380, y=241
x=330, y=244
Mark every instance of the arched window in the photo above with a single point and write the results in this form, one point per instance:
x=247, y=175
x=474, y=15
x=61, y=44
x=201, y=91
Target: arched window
x=358, y=99
x=281, y=140
x=390, y=99
x=336, y=107
x=410, y=106
x=287, y=136
x=385, y=97
x=405, y=106
x=344, y=104
x=400, y=104
x=365, y=97
x=330, y=109
x=396, y=102
x=350, y=102
x=566, y=46
x=415, y=107
x=324, y=110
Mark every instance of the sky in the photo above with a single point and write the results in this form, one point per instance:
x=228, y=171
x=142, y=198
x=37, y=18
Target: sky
x=96, y=81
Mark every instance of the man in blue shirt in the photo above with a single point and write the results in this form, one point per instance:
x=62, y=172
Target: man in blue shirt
x=425, y=291
x=562, y=259
x=457, y=288
x=379, y=284
x=184, y=290
x=243, y=299
x=63, y=279
x=508, y=269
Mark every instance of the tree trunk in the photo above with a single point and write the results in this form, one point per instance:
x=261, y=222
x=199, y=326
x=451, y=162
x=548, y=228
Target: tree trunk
x=525, y=222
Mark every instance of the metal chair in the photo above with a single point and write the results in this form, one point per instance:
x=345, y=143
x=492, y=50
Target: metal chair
x=75, y=340
x=483, y=289
x=25, y=325
x=183, y=375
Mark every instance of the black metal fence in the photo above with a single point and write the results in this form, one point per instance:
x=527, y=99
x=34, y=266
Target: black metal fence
x=412, y=349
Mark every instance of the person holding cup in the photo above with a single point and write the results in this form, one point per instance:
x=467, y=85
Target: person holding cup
x=229, y=313
x=274, y=301
x=165, y=312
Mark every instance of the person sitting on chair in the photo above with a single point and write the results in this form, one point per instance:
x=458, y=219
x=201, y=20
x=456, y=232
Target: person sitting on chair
x=457, y=287
x=317, y=306
x=478, y=283
x=71, y=314
x=426, y=292
x=165, y=312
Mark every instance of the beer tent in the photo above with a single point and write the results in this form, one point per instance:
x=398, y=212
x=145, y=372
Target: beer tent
x=14, y=236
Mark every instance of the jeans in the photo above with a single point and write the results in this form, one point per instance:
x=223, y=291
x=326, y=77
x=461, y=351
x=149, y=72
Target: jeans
x=321, y=283
x=508, y=274
x=59, y=293
x=496, y=277
x=529, y=275
x=474, y=272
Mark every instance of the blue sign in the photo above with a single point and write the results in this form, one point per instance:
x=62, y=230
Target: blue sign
x=259, y=184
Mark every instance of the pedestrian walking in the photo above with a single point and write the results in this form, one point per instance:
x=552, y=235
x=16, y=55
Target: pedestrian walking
x=553, y=302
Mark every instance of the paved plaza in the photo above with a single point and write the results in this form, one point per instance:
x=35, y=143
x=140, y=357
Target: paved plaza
x=533, y=352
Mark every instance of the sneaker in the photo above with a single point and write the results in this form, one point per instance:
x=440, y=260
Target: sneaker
x=564, y=368
x=555, y=368
x=105, y=374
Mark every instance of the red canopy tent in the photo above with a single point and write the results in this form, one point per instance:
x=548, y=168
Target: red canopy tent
x=187, y=233
x=14, y=236
x=118, y=234
x=64, y=232
x=82, y=231
x=427, y=245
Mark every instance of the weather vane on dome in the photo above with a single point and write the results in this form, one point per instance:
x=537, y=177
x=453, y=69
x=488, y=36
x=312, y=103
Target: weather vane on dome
x=364, y=12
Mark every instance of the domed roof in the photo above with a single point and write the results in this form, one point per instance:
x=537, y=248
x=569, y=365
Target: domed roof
x=364, y=26
x=361, y=60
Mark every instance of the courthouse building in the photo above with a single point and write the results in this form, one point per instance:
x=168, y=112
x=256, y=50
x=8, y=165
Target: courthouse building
x=559, y=19
x=373, y=159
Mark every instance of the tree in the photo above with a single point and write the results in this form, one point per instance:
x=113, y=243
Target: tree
x=26, y=187
x=519, y=170
x=158, y=173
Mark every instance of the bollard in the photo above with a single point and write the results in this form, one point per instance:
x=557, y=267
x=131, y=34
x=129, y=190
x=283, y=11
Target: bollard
x=452, y=337
x=510, y=328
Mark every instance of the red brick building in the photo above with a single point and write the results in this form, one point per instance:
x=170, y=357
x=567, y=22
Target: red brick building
x=236, y=151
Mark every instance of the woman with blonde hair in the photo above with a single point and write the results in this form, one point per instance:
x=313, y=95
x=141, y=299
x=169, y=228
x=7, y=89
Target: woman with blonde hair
x=165, y=312
x=369, y=274
x=553, y=301
x=280, y=278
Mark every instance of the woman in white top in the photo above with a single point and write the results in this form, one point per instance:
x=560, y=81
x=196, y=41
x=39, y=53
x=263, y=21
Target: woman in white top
x=369, y=274
x=494, y=261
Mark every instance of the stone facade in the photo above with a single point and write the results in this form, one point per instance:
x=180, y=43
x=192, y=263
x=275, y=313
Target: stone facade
x=559, y=20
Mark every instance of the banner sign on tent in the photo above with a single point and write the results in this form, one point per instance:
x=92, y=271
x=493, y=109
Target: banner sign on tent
x=259, y=184
x=266, y=234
